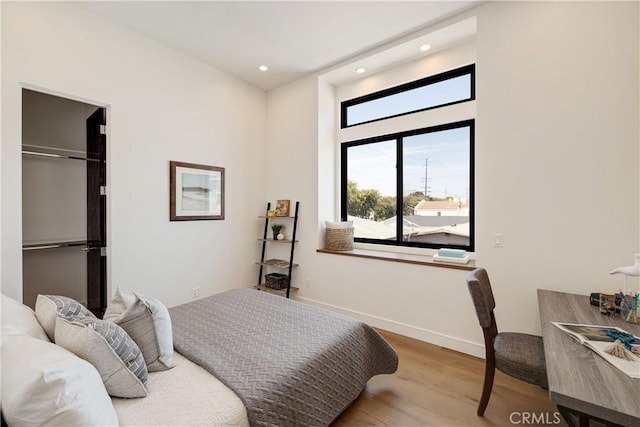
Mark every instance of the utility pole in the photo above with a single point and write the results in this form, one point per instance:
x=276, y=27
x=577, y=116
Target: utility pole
x=426, y=175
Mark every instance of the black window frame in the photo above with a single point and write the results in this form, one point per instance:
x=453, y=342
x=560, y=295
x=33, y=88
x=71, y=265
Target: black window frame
x=398, y=136
x=426, y=81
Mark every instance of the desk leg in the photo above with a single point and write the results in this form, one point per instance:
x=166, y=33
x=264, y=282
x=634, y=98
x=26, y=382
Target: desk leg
x=566, y=414
x=583, y=419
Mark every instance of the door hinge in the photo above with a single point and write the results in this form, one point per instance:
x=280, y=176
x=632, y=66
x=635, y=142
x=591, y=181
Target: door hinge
x=103, y=190
x=103, y=251
x=103, y=129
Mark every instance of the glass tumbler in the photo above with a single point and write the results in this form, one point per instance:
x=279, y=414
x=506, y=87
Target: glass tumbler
x=629, y=308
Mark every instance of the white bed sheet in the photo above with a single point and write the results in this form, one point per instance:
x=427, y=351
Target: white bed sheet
x=185, y=395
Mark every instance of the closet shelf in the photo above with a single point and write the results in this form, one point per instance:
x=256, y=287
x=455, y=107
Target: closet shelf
x=48, y=152
x=57, y=156
x=50, y=244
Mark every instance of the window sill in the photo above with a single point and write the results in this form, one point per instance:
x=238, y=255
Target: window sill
x=401, y=257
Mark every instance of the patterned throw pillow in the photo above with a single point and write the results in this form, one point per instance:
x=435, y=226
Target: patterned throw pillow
x=148, y=323
x=110, y=349
x=49, y=307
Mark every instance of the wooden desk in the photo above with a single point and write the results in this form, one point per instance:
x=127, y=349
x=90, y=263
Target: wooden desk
x=579, y=379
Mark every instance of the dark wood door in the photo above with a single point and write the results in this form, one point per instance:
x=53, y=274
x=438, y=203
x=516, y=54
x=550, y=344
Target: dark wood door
x=96, y=213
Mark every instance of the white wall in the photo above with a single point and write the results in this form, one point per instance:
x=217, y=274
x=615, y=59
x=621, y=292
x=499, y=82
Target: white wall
x=560, y=135
x=557, y=130
x=162, y=106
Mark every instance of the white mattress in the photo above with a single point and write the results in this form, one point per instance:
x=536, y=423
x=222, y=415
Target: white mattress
x=185, y=395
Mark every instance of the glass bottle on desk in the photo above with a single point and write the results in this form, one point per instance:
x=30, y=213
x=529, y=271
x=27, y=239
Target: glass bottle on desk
x=607, y=304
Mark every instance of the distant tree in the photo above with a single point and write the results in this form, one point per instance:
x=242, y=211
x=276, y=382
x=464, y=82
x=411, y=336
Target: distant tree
x=385, y=209
x=410, y=202
x=370, y=204
x=370, y=199
x=361, y=203
x=353, y=198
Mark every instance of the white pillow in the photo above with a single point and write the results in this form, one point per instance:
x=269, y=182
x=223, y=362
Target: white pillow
x=49, y=307
x=18, y=319
x=109, y=349
x=148, y=323
x=45, y=385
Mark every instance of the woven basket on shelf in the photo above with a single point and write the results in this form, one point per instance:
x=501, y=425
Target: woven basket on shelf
x=339, y=236
x=276, y=281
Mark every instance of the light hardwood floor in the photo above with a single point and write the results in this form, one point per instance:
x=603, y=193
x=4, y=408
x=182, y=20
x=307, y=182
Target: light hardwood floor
x=434, y=386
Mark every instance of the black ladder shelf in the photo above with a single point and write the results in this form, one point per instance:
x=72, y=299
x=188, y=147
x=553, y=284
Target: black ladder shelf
x=283, y=265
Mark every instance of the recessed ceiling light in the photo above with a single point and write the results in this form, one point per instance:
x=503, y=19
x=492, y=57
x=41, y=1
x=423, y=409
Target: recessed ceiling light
x=425, y=47
x=360, y=70
x=263, y=68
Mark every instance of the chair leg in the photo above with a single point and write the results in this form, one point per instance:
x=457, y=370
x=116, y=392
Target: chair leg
x=489, y=374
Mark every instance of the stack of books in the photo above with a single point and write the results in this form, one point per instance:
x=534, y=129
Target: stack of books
x=457, y=256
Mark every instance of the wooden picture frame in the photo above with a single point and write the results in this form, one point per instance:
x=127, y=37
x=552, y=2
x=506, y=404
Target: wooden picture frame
x=282, y=207
x=196, y=192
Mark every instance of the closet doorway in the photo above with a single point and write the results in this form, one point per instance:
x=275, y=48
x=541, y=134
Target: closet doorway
x=63, y=200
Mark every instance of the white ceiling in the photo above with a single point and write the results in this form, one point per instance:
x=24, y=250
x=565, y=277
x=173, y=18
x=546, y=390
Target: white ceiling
x=293, y=38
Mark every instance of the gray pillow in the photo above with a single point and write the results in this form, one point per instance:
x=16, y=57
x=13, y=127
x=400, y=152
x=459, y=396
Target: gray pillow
x=148, y=323
x=107, y=347
x=49, y=307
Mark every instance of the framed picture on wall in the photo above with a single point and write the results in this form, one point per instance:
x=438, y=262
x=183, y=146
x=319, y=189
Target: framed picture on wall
x=196, y=192
x=282, y=208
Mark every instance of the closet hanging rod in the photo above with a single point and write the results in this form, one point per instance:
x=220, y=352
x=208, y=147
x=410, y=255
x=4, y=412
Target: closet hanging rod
x=53, y=245
x=58, y=156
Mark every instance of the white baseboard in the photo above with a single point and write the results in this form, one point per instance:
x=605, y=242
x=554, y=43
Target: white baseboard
x=415, y=332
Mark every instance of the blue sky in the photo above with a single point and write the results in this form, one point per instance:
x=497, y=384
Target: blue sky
x=373, y=165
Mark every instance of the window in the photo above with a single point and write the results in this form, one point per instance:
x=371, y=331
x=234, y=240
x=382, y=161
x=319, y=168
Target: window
x=412, y=188
x=435, y=91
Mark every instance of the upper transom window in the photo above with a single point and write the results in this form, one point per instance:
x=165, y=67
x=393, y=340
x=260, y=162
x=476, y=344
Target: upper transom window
x=439, y=90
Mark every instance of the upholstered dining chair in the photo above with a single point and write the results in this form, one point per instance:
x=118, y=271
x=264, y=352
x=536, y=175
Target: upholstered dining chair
x=516, y=354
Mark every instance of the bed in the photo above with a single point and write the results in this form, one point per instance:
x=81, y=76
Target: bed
x=246, y=357
x=185, y=395
x=290, y=363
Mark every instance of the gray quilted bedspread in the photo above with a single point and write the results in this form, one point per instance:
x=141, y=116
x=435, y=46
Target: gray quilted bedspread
x=292, y=364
